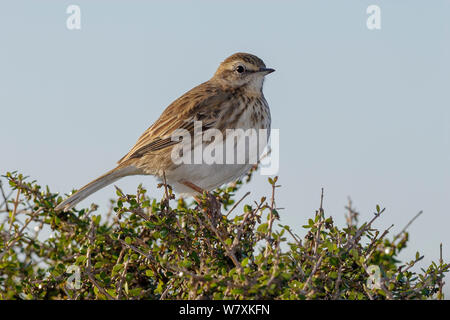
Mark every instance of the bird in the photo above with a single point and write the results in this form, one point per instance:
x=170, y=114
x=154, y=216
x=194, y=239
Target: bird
x=232, y=99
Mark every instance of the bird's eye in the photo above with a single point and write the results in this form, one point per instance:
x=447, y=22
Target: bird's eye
x=240, y=69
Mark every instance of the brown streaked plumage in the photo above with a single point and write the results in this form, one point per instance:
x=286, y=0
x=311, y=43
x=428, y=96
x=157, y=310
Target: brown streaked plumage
x=231, y=99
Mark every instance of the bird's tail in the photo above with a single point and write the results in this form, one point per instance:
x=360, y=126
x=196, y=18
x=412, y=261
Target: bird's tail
x=99, y=183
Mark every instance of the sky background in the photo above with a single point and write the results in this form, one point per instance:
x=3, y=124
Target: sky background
x=361, y=113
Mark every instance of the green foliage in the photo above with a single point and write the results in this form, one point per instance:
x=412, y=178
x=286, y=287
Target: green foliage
x=148, y=249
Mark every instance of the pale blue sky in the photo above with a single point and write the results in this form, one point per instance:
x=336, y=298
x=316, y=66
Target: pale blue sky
x=361, y=113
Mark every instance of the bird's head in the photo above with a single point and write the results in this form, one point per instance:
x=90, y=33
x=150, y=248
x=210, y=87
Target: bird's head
x=243, y=70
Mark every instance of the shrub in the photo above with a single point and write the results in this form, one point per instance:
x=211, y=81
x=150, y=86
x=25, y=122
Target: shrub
x=148, y=249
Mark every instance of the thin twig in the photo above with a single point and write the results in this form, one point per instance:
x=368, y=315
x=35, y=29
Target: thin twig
x=237, y=203
x=313, y=272
x=13, y=215
x=122, y=279
x=337, y=284
x=441, y=283
x=166, y=291
x=5, y=198
x=407, y=225
x=91, y=236
x=20, y=232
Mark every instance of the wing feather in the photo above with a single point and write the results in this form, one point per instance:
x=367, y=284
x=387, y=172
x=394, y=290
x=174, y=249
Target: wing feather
x=202, y=103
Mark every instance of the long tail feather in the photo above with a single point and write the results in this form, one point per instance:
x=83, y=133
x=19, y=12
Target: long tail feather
x=97, y=184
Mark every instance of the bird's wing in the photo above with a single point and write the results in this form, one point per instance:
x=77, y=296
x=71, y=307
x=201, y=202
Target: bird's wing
x=202, y=103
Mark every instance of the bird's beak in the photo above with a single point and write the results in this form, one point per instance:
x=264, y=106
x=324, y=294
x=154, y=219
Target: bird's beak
x=266, y=70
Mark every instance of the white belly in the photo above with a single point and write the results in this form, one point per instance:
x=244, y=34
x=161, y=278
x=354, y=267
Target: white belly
x=213, y=175
x=207, y=177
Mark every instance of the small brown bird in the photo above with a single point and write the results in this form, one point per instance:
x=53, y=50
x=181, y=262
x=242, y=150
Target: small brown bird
x=231, y=99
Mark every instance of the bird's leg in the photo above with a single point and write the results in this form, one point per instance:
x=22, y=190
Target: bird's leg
x=195, y=188
x=192, y=186
x=215, y=204
x=197, y=199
